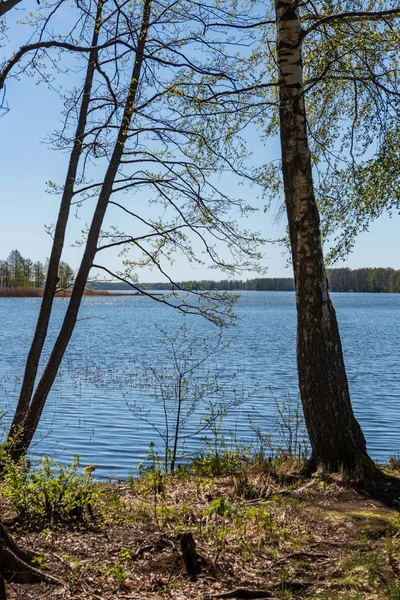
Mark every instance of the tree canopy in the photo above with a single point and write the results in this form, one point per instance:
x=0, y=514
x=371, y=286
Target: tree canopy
x=19, y=272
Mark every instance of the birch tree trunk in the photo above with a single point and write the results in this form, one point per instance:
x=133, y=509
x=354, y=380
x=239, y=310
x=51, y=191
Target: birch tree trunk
x=335, y=435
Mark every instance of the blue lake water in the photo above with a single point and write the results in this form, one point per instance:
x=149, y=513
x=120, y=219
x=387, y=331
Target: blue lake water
x=116, y=344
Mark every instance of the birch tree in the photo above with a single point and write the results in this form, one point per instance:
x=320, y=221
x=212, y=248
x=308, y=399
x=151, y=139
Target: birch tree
x=325, y=80
x=335, y=435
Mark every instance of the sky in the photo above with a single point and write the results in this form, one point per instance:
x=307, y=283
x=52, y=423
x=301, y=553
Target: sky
x=27, y=163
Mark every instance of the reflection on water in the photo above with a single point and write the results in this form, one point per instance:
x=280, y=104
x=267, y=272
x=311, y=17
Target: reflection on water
x=87, y=412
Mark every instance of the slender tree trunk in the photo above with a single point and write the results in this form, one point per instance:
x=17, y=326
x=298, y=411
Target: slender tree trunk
x=335, y=435
x=52, y=279
x=34, y=412
x=177, y=424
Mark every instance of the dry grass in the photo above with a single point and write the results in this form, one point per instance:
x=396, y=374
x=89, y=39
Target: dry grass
x=21, y=293
x=258, y=529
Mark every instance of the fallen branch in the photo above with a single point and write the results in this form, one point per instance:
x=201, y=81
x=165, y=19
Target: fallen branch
x=246, y=594
x=299, y=555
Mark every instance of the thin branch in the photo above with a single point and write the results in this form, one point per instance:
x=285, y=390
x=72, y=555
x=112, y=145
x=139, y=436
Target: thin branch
x=250, y=88
x=50, y=44
x=352, y=16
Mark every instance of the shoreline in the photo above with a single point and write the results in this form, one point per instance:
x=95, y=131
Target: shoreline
x=38, y=293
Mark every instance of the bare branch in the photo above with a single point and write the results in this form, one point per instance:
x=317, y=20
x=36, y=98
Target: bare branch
x=352, y=17
x=43, y=45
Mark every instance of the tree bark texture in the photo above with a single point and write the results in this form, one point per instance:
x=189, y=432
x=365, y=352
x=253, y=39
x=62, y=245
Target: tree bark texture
x=7, y=5
x=52, y=279
x=34, y=412
x=335, y=435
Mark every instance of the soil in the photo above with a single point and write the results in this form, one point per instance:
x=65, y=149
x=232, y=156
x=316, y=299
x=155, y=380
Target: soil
x=258, y=533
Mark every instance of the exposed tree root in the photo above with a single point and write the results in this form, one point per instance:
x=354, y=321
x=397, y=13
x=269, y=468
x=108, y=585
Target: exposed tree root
x=365, y=476
x=383, y=487
x=16, y=565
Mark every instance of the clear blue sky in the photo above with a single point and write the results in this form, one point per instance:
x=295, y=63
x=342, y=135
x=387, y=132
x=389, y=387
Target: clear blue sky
x=27, y=163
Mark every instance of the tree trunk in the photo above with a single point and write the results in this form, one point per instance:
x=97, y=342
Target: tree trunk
x=335, y=435
x=16, y=565
x=7, y=5
x=34, y=412
x=49, y=291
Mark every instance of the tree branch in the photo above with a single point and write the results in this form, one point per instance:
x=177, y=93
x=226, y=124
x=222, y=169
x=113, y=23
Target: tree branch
x=43, y=45
x=352, y=16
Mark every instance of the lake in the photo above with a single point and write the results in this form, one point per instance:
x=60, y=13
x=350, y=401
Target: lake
x=116, y=346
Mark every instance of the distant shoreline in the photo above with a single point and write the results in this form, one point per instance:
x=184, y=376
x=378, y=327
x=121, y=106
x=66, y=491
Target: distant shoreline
x=38, y=293
x=377, y=280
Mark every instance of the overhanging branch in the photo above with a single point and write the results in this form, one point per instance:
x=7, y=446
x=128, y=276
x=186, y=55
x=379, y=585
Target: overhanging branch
x=353, y=16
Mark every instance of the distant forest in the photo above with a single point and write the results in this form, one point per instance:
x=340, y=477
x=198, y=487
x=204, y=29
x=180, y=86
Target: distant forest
x=340, y=280
x=16, y=271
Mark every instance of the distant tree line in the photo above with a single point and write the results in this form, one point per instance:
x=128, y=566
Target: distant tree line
x=364, y=280
x=340, y=280
x=19, y=272
x=284, y=284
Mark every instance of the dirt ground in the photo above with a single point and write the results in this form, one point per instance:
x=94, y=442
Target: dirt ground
x=258, y=534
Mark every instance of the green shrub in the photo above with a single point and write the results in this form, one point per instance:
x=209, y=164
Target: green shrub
x=221, y=507
x=51, y=493
x=223, y=461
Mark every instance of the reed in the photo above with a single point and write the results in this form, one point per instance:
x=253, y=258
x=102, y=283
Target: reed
x=21, y=292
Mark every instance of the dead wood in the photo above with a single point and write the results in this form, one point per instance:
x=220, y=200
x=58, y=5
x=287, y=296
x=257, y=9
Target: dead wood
x=191, y=559
x=244, y=593
x=299, y=555
x=268, y=592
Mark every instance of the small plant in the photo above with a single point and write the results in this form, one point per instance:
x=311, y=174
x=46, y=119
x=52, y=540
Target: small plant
x=219, y=458
x=394, y=463
x=190, y=397
x=118, y=573
x=285, y=591
x=73, y=574
x=221, y=507
x=39, y=563
x=153, y=479
x=267, y=525
x=125, y=554
x=290, y=435
x=393, y=592
x=52, y=493
x=290, y=427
